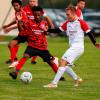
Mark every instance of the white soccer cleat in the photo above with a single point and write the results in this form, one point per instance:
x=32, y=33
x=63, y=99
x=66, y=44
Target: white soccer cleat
x=13, y=65
x=50, y=85
x=78, y=82
x=56, y=61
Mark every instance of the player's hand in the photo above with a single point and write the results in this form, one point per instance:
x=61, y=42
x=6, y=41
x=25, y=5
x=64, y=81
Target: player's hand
x=6, y=30
x=19, y=17
x=97, y=45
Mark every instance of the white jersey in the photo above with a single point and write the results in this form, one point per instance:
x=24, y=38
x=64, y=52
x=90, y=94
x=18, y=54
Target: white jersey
x=75, y=31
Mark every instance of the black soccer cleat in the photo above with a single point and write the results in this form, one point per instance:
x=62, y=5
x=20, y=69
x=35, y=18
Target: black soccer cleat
x=62, y=79
x=8, y=62
x=13, y=75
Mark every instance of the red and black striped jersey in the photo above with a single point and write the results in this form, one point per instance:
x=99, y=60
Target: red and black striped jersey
x=37, y=35
x=24, y=19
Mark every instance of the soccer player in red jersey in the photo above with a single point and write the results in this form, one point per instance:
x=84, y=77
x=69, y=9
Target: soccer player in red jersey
x=37, y=43
x=22, y=36
x=30, y=15
x=79, y=7
x=28, y=10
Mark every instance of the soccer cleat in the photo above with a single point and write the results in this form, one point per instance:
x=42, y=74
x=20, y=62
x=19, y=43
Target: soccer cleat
x=50, y=85
x=62, y=79
x=78, y=82
x=9, y=62
x=13, y=75
x=33, y=62
x=13, y=65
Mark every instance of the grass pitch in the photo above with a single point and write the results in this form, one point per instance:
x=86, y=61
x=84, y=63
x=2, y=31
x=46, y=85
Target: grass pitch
x=88, y=67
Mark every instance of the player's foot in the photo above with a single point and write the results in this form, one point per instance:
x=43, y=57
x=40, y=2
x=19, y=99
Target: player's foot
x=13, y=64
x=62, y=79
x=33, y=62
x=50, y=85
x=13, y=75
x=9, y=62
x=78, y=82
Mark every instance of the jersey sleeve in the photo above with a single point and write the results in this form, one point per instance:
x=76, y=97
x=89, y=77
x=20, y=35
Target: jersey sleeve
x=63, y=27
x=24, y=17
x=84, y=26
x=79, y=13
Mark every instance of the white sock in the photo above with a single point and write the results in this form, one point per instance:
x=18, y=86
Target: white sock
x=70, y=72
x=58, y=75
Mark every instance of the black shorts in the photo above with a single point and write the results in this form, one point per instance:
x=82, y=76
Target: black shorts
x=21, y=39
x=44, y=54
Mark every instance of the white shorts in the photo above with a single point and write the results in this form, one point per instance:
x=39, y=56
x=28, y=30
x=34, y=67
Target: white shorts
x=72, y=54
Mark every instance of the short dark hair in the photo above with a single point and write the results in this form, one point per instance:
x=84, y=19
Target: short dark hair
x=37, y=8
x=16, y=1
x=81, y=0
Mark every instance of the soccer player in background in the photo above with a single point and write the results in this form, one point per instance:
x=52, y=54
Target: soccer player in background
x=30, y=15
x=79, y=7
x=22, y=36
x=75, y=29
x=37, y=43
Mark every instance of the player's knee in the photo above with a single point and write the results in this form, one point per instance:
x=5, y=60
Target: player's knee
x=10, y=44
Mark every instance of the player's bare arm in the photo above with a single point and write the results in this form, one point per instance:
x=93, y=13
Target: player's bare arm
x=11, y=23
x=93, y=39
x=49, y=22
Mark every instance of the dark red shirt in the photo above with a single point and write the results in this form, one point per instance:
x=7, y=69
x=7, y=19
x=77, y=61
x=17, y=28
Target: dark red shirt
x=79, y=13
x=24, y=19
x=29, y=12
x=37, y=36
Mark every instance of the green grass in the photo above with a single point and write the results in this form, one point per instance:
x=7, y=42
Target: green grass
x=88, y=67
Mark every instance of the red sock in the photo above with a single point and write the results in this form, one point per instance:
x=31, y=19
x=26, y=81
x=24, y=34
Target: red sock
x=16, y=48
x=12, y=53
x=34, y=58
x=20, y=63
x=53, y=66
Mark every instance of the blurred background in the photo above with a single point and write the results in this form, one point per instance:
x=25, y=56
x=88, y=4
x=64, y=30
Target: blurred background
x=55, y=9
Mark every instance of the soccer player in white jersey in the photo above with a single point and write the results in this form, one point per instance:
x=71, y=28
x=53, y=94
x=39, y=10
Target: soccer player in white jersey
x=75, y=29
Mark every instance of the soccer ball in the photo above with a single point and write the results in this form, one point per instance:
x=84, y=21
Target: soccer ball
x=26, y=77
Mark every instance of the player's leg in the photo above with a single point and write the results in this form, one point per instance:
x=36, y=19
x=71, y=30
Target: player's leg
x=53, y=65
x=52, y=61
x=47, y=57
x=33, y=60
x=13, y=48
x=21, y=62
x=67, y=58
x=20, y=39
x=58, y=75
